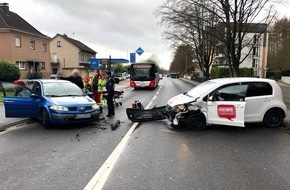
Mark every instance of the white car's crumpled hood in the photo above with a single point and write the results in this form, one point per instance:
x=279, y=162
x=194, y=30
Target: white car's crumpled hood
x=179, y=99
x=73, y=100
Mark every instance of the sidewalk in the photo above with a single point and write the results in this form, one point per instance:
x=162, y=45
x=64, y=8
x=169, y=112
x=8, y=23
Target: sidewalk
x=9, y=122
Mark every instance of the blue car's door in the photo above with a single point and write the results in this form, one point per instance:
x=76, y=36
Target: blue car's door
x=18, y=101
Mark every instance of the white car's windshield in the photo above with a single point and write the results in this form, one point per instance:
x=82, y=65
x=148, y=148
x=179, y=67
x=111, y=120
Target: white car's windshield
x=202, y=88
x=61, y=89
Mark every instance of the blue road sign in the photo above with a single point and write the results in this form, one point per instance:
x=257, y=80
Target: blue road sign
x=139, y=51
x=119, y=61
x=95, y=63
x=98, y=62
x=132, y=57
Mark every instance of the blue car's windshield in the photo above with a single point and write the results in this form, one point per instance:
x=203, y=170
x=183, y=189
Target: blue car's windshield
x=61, y=89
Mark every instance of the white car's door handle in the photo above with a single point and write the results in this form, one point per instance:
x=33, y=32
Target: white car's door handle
x=267, y=99
x=240, y=106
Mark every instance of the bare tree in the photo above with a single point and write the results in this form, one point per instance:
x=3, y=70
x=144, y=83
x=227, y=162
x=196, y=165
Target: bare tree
x=200, y=23
x=182, y=61
x=279, y=46
x=184, y=27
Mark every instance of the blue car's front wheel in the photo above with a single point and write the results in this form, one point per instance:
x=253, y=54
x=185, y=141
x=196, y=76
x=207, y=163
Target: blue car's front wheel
x=45, y=119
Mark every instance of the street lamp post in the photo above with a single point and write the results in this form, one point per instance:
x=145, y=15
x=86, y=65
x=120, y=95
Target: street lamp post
x=186, y=64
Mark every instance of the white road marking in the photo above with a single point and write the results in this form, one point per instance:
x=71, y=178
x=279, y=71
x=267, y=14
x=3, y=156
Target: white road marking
x=100, y=178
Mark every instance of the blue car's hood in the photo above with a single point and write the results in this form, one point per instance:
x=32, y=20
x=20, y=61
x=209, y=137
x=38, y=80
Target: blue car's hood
x=73, y=100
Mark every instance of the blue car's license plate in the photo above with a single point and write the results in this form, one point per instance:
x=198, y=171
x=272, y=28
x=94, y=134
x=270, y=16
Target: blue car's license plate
x=83, y=116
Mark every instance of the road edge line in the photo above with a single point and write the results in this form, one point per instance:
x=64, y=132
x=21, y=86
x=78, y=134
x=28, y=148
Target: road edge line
x=101, y=176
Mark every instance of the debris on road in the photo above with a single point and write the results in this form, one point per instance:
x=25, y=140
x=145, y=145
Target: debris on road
x=78, y=137
x=140, y=115
x=115, y=124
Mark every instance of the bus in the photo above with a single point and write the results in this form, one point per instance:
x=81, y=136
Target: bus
x=143, y=75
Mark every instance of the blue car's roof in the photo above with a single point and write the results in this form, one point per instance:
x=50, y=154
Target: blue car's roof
x=49, y=80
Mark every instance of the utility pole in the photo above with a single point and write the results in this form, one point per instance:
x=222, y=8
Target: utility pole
x=203, y=41
x=186, y=64
x=109, y=63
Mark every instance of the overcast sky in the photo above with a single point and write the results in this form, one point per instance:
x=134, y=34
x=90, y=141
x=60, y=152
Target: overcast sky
x=110, y=27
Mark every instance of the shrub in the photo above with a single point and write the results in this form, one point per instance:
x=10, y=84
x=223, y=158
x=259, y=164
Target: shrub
x=277, y=74
x=222, y=72
x=246, y=72
x=8, y=71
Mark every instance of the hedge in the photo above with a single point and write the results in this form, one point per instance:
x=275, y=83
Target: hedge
x=221, y=72
x=277, y=74
x=8, y=71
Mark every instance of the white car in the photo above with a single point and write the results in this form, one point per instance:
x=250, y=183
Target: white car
x=229, y=101
x=121, y=76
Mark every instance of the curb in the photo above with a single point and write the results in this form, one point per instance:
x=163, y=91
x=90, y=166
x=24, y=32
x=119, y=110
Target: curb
x=190, y=81
x=13, y=123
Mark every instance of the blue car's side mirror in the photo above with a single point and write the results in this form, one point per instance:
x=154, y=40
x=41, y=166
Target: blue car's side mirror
x=34, y=96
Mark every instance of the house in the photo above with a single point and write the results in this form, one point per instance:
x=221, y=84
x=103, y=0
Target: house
x=254, y=51
x=67, y=52
x=22, y=44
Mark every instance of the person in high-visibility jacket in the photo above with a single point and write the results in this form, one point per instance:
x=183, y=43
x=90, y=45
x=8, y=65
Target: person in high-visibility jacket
x=98, y=84
x=101, y=85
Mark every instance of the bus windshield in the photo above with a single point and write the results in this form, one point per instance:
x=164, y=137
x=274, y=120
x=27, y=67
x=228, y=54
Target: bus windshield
x=146, y=73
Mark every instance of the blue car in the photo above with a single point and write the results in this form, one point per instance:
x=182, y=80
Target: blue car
x=54, y=102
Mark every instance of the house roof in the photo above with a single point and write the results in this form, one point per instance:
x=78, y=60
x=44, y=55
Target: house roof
x=11, y=20
x=77, y=43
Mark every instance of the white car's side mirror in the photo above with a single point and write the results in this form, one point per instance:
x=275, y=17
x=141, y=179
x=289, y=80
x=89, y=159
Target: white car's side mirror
x=210, y=98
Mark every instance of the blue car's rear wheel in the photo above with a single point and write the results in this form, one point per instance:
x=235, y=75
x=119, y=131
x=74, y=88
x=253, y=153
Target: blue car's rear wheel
x=45, y=119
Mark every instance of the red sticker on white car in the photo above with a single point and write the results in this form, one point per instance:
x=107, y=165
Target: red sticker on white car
x=227, y=111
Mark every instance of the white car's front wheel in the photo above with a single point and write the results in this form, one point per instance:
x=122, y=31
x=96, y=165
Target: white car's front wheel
x=273, y=118
x=196, y=121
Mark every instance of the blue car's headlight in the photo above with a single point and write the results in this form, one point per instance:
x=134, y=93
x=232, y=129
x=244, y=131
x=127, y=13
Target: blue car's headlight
x=96, y=107
x=59, y=108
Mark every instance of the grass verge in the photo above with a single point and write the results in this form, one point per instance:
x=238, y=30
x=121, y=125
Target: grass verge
x=1, y=95
x=287, y=102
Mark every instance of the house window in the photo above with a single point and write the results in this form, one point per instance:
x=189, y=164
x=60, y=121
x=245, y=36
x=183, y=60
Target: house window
x=21, y=65
x=82, y=57
x=88, y=58
x=32, y=44
x=44, y=46
x=58, y=44
x=18, y=41
x=42, y=65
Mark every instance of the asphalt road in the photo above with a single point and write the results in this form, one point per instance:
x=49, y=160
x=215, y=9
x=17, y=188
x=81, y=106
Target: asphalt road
x=154, y=157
